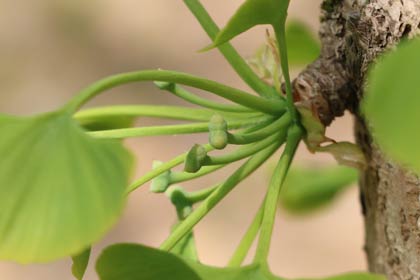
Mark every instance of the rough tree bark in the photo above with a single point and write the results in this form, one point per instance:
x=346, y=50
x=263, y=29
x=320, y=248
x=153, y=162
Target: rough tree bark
x=353, y=34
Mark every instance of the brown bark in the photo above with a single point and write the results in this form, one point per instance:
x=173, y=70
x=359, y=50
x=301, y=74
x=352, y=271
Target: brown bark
x=353, y=34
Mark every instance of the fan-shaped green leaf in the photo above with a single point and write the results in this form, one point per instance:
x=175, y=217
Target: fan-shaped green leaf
x=137, y=262
x=80, y=263
x=303, y=47
x=392, y=103
x=250, y=14
x=307, y=189
x=353, y=276
x=251, y=272
x=60, y=190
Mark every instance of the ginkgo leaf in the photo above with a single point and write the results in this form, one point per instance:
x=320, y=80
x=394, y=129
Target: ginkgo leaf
x=392, y=103
x=80, y=263
x=252, y=13
x=60, y=190
x=307, y=189
x=251, y=272
x=261, y=272
x=352, y=276
x=303, y=47
x=137, y=262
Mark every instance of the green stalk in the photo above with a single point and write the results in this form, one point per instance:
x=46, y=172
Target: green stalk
x=243, y=172
x=281, y=41
x=185, y=176
x=230, y=54
x=272, y=107
x=167, y=112
x=163, y=130
x=276, y=126
x=259, y=126
x=194, y=197
x=245, y=151
x=194, y=99
x=272, y=198
x=249, y=237
x=160, y=170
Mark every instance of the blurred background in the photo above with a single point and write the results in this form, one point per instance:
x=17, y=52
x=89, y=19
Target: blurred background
x=50, y=49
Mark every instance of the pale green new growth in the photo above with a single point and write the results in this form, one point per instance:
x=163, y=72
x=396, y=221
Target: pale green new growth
x=69, y=192
x=392, y=103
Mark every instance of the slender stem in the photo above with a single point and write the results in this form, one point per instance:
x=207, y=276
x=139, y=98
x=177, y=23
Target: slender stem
x=249, y=237
x=243, y=172
x=164, y=130
x=230, y=54
x=276, y=126
x=245, y=151
x=259, y=126
x=281, y=41
x=160, y=170
x=273, y=107
x=194, y=197
x=277, y=180
x=186, y=247
x=168, y=112
x=194, y=99
x=186, y=176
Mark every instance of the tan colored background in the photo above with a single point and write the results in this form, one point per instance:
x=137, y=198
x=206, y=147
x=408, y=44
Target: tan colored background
x=50, y=49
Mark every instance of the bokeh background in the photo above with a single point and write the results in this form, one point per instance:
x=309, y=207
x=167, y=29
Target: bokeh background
x=50, y=49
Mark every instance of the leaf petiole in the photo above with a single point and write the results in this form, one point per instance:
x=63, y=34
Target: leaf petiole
x=203, y=102
x=272, y=198
x=247, y=240
x=157, y=111
x=280, y=32
x=280, y=124
x=180, y=177
x=272, y=107
x=201, y=195
x=245, y=151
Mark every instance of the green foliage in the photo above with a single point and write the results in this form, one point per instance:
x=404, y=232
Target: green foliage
x=353, y=276
x=392, y=103
x=307, y=189
x=250, y=14
x=60, y=190
x=251, y=272
x=80, y=263
x=136, y=262
x=132, y=261
x=303, y=47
